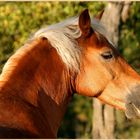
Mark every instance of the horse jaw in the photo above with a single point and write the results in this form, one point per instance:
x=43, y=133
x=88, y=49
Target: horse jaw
x=113, y=96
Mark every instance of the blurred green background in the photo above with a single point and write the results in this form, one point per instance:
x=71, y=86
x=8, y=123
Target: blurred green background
x=18, y=20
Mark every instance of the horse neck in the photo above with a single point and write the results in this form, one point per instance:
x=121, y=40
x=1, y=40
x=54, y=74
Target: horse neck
x=55, y=91
x=40, y=78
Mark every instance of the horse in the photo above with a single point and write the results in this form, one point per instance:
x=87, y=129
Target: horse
x=72, y=56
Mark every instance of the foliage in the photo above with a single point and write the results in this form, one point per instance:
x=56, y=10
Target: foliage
x=130, y=37
x=18, y=20
x=129, y=45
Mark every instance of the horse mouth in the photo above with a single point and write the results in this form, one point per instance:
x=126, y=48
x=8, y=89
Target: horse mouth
x=132, y=104
x=132, y=111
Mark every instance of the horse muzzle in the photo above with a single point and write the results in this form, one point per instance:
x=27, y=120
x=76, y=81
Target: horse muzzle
x=132, y=103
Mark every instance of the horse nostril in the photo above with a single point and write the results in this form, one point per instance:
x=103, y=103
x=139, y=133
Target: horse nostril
x=129, y=103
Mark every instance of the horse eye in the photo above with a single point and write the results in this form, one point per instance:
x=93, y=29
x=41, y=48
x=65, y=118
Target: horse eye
x=107, y=55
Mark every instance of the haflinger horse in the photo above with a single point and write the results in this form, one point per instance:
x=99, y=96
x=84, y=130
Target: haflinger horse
x=73, y=56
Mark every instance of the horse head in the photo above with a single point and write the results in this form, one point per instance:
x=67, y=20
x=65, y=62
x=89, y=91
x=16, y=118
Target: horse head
x=104, y=73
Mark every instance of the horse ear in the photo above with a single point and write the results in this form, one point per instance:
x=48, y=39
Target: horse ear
x=85, y=22
x=99, y=16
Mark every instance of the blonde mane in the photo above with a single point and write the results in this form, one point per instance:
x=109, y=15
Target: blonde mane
x=62, y=36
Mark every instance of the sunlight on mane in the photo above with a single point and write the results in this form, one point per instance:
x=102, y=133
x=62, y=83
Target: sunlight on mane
x=62, y=36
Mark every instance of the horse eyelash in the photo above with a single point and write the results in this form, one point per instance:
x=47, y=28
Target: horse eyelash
x=107, y=55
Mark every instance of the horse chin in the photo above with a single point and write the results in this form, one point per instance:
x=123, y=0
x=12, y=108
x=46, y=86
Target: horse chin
x=132, y=104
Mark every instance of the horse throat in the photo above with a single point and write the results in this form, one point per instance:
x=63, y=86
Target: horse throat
x=52, y=111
